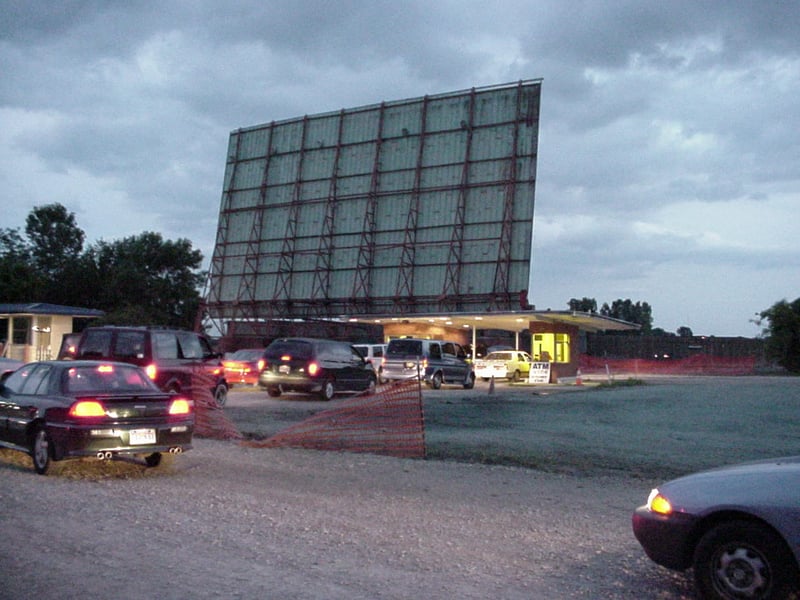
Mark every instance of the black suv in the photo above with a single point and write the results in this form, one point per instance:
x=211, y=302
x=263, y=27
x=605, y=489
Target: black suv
x=171, y=357
x=314, y=366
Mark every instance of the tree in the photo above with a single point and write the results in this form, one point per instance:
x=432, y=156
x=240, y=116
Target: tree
x=55, y=238
x=19, y=280
x=684, y=331
x=625, y=310
x=149, y=279
x=782, y=335
x=142, y=279
x=587, y=305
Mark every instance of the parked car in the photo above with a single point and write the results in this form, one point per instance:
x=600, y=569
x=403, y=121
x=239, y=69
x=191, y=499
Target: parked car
x=433, y=361
x=242, y=366
x=737, y=526
x=373, y=354
x=506, y=364
x=309, y=365
x=54, y=410
x=172, y=358
x=69, y=346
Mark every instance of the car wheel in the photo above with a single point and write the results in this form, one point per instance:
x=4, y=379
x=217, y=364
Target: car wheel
x=41, y=451
x=436, y=381
x=743, y=560
x=373, y=383
x=153, y=460
x=515, y=376
x=221, y=395
x=328, y=390
x=470, y=382
x=274, y=392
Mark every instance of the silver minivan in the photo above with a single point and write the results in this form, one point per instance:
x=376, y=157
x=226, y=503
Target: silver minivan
x=433, y=361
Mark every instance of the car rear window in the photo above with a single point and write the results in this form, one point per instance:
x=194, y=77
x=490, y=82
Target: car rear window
x=105, y=379
x=95, y=344
x=295, y=349
x=129, y=344
x=404, y=347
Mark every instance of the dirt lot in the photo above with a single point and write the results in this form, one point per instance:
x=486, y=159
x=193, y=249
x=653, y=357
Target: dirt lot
x=527, y=493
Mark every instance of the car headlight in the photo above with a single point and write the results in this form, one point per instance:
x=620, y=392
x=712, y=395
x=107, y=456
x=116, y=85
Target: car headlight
x=658, y=503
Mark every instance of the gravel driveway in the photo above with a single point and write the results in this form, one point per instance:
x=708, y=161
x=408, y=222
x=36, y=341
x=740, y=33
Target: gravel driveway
x=228, y=521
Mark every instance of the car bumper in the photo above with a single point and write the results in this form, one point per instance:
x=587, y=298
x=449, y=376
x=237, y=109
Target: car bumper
x=87, y=440
x=289, y=383
x=487, y=373
x=665, y=539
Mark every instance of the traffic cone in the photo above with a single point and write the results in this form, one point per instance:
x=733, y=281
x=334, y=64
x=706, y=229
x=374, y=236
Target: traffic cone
x=491, y=385
x=578, y=380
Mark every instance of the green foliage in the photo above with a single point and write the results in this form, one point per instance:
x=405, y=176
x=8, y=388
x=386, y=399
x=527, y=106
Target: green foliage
x=782, y=343
x=55, y=238
x=141, y=279
x=587, y=305
x=616, y=383
x=626, y=310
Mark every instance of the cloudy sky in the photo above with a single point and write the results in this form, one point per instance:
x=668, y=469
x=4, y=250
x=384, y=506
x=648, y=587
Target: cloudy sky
x=669, y=148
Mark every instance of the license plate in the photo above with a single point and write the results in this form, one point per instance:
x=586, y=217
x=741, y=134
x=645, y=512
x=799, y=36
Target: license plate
x=284, y=369
x=142, y=436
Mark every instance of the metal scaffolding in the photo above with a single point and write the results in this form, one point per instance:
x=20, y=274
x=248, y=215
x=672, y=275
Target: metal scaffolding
x=420, y=205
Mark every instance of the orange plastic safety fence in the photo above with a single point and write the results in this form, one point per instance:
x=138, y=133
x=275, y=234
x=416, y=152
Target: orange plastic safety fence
x=209, y=419
x=389, y=422
x=700, y=364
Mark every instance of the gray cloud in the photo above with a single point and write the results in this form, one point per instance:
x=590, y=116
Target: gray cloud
x=668, y=136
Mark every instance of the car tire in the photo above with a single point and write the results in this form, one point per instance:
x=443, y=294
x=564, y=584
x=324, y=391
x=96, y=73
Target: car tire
x=740, y=559
x=274, y=392
x=436, y=380
x=371, y=386
x=328, y=390
x=41, y=450
x=515, y=376
x=153, y=460
x=221, y=395
x=470, y=382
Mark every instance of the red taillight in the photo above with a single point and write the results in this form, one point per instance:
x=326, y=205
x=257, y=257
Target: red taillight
x=180, y=406
x=87, y=408
x=286, y=358
x=151, y=371
x=313, y=368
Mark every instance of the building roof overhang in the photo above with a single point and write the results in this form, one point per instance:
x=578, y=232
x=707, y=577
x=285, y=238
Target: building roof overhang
x=506, y=321
x=43, y=308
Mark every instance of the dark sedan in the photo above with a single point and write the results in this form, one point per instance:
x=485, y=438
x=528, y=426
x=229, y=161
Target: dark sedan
x=55, y=410
x=738, y=527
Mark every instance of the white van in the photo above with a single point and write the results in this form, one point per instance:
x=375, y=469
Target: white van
x=373, y=354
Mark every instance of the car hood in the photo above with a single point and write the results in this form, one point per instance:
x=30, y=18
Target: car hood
x=765, y=483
